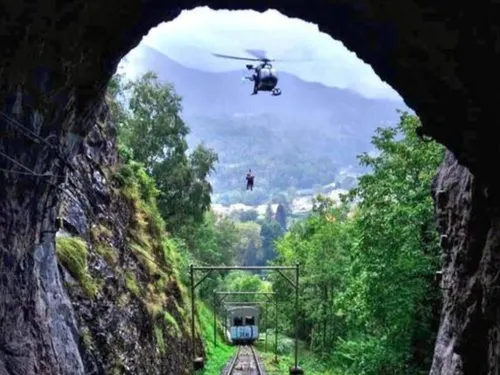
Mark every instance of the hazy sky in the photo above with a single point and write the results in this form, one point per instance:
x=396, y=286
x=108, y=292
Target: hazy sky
x=192, y=37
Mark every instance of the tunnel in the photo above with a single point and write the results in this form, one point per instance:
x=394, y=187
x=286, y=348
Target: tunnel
x=57, y=57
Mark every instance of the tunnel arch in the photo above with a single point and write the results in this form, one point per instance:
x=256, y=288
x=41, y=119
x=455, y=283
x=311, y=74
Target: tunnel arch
x=417, y=47
x=57, y=57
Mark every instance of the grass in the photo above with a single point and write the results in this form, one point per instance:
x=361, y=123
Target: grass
x=159, y=339
x=155, y=300
x=149, y=264
x=172, y=324
x=157, y=282
x=86, y=337
x=216, y=356
x=145, y=230
x=163, y=258
x=107, y=252
x=144, y=255
x=311, y=364
x=99, y=230
x=131, y=283
x=72, y=254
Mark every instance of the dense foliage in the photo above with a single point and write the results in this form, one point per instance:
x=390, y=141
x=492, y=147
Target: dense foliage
x=152, y=137
x=283, y=157
x=151, y=131
x=369, y=300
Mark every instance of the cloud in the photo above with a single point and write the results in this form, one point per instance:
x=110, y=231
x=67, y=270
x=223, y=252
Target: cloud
x=194, y=35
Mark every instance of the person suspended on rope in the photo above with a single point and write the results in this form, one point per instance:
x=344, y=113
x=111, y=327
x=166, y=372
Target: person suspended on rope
x=255, y=77
x=250, y=178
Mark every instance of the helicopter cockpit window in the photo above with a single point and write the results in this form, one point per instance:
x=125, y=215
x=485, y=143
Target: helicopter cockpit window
x=268, y=72
x=265, y=73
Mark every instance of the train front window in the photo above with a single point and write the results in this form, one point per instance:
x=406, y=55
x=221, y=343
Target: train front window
x=249, y=320
x=238, y=322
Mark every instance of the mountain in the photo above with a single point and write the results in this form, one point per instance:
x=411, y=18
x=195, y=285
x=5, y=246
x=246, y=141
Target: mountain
x=298, y=140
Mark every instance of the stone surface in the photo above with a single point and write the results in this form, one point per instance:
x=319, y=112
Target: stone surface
x=56, y=57
x=115, y=329
x=468, y=220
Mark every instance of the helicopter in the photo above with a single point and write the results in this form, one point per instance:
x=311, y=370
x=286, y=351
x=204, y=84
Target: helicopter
x=265, y=77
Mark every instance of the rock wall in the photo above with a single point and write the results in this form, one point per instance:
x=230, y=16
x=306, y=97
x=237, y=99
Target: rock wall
x=56, y=57
x=469, y=222
x=130, y=310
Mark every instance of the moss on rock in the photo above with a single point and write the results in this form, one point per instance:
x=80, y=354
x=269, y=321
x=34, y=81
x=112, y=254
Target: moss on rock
x=72, y=254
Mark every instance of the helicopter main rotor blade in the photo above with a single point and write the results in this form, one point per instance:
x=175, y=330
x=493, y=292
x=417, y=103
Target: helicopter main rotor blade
x=294, y=60
x=262, y=55
x=258, y=53
x=234, y=57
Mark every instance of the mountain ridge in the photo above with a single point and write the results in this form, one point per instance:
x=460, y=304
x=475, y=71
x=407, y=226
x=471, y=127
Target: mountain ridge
x=298, y=140
x=294, y=88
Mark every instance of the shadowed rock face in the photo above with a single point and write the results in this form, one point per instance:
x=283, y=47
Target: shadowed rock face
x=118, y=329
x=468, y=221
x=57, y=56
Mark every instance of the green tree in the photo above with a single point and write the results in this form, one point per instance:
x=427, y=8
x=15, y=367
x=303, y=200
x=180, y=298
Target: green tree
x=242, y=281
x=368, y=293
x=116, y=100
x=185, y=190
x=281, y=216
x=151, y=127
x=269, y=212
x=248, y=215
x=270, y=231
x=155, y=130
x=250, y=244
x=215, y=244
x=320, y=245
x=216, y=240
x=397, y=254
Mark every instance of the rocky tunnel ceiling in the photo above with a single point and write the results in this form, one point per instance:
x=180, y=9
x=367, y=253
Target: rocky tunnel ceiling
x=440, y=56
x=56, y=57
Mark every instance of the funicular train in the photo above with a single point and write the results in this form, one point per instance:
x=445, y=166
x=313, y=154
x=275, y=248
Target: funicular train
x=243, y=323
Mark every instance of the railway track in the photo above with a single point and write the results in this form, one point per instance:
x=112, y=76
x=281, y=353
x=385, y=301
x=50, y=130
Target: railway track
x=245, y=362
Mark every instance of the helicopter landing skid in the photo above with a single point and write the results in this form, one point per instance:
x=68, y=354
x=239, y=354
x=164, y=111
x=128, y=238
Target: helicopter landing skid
x=276, y=92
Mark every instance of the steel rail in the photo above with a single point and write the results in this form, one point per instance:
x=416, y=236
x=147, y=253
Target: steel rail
x=256, y=368
x=234, y=361
x=258, y=365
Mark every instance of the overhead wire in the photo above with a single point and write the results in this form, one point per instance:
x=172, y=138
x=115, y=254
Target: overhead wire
x=29, y=172
x=18, y=163
x=17, y=124
x=96, y=220
x=87, y=113
x=17, y=172
x=30, y=134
